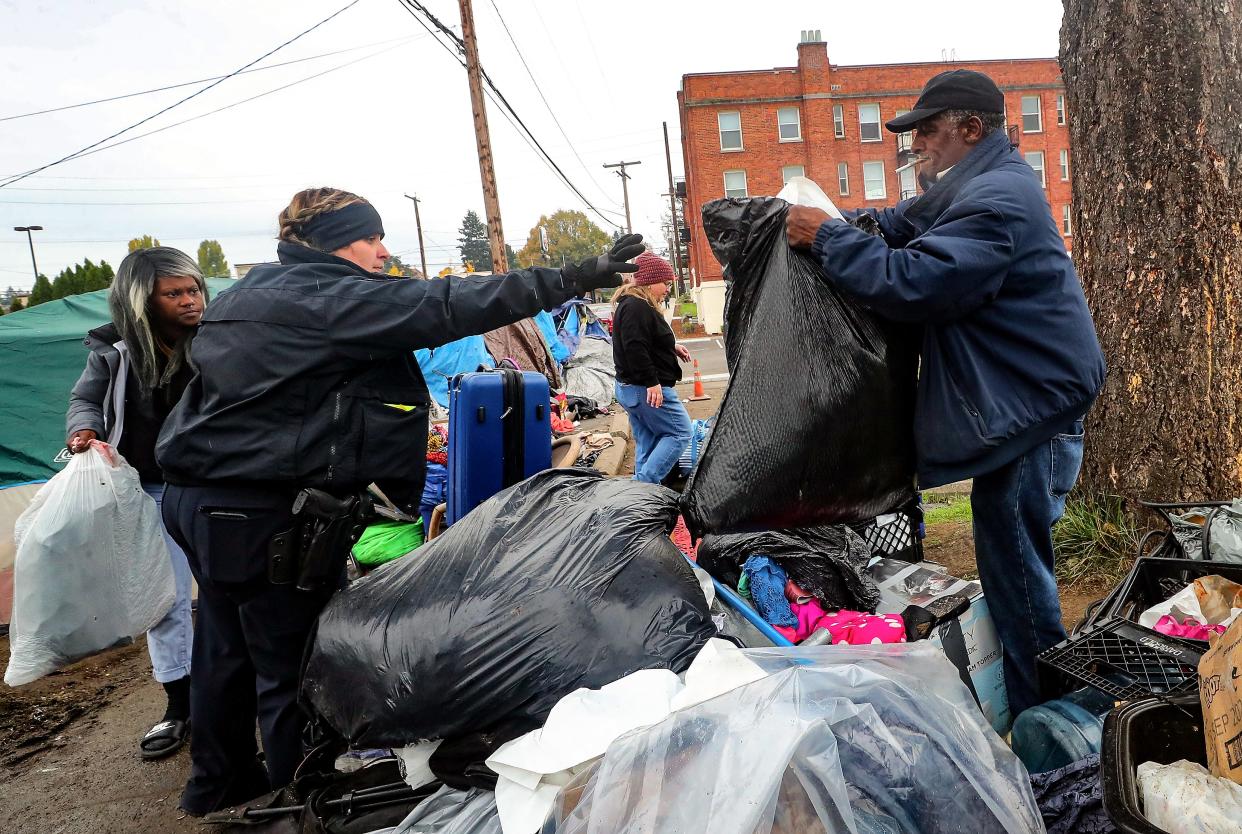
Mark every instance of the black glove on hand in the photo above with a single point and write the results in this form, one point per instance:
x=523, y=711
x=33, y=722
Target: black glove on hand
x=602, y=272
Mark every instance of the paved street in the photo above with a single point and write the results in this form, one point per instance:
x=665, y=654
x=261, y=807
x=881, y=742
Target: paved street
x=709, y=350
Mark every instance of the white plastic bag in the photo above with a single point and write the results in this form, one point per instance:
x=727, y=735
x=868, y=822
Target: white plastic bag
x=92, y=569
x=1183, y=798
x=800, y=191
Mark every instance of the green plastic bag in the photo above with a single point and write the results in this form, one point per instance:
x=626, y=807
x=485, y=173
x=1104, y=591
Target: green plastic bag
x=390, y=540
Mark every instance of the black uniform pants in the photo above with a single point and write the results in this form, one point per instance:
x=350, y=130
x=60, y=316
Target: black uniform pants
x=248, y=644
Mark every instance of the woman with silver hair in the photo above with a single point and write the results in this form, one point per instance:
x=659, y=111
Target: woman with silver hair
x=136, y=371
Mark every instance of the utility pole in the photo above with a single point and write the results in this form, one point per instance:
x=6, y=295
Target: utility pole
x=487, y=170
x=30, y=240
x=625, y=190
x=672, y=204
x=418, y=222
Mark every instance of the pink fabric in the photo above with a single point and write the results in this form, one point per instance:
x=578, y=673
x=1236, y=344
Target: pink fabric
x=855, y=628
x=1189, y=628
x=809, y=614
x=788, y=632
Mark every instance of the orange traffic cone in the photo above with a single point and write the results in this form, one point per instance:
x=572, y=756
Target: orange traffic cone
x=698, y=384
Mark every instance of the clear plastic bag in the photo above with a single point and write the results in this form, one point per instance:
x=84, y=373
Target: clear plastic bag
x=451, y=811
x=92, y=569
x=834, y=740
x=1183, y=798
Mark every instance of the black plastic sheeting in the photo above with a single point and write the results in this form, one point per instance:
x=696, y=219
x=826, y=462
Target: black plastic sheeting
x=830, y=563
x=565, y=580
x=816, y=426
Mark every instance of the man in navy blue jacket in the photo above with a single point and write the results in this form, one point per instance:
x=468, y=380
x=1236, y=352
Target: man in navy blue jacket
x=1010, y=360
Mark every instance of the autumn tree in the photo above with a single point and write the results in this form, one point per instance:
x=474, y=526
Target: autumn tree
x=1154, y=89
x=572, y=237
x=398, y=268
x=211, y=259
x=144, y=242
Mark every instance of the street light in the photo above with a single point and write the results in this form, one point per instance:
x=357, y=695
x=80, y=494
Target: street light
x=30, y=240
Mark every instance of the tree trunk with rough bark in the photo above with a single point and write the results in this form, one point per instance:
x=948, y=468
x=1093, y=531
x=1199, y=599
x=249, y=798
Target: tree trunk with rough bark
x=1154, y=93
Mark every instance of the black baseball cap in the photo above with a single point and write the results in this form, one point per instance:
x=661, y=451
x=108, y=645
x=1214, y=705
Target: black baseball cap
x=952, y=90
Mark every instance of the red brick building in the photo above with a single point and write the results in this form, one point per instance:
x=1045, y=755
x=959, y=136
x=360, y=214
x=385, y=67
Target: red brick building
x=745, y=133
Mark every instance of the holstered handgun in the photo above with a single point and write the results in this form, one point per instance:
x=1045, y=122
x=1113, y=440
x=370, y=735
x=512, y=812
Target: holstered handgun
x=312, y=553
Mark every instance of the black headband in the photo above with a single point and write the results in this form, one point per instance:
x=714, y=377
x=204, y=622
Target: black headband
x=334, y=229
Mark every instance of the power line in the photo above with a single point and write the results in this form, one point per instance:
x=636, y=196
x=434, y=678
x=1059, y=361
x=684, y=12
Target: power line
x=496, y=96
x=198, y=81
x=196, y=93
x=234, y=104
x=544, y=98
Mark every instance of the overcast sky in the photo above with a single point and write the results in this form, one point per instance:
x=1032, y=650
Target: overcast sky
x=398, y=120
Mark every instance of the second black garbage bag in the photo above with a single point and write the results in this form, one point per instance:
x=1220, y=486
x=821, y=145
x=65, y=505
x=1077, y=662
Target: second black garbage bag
x=816, y=426
x=565, y=580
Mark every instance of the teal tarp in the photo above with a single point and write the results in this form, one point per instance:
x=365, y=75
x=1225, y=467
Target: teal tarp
x=41, y=357
x=441, y=364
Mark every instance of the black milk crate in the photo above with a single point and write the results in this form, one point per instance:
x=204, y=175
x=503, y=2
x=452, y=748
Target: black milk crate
x=1123, y=660
x=1155, y=579
x=896, y=535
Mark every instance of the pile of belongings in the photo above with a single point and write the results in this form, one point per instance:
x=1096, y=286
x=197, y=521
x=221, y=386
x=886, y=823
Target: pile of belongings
x=842, y=375
x=1223, y=534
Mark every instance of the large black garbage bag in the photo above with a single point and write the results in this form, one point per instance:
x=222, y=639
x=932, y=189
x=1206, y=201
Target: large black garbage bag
x=565, y=580
x=816, y=426
x=830, y=563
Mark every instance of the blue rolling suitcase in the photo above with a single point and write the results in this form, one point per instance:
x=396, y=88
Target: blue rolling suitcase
x=500, y=433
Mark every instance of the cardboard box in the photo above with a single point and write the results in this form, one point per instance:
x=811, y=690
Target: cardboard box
x=1220, y=693
x=970, y=641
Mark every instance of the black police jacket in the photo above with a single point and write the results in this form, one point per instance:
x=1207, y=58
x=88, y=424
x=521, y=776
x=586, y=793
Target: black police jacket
x=305, y=375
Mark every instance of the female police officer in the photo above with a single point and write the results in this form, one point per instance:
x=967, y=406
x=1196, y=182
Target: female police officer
x=305, y=379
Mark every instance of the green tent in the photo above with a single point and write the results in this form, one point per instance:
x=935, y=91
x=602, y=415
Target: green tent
x=41, y=357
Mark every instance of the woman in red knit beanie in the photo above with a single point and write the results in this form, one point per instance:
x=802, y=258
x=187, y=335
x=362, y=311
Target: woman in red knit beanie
x=646, y=355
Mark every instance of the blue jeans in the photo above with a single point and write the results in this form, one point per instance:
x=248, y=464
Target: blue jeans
x=660, y=434
x=1014, y=509
x=170, y=641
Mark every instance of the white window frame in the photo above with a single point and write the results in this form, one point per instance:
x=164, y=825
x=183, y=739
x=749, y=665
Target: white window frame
x=879, y=124
x=1067, y=221
x=785, y=177
x=797, y=111
x=904, y=140
x=720, y=130
x=1038, y=114
x=843, y=178
x=838, y=121
x=1060, y=108
x=1064, y=165
x=745, y=187
x=908, y=184
x=1043, y=177
x=883, y=192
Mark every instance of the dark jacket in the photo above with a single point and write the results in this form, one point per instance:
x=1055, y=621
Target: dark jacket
x=108, y=400
x=642, y=345
x=305, y=374
x=1010, y=356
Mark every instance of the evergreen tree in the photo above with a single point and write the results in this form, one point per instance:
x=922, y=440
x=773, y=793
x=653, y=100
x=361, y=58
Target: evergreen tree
x=41, y=292
x=211, y=259
x=474, y=248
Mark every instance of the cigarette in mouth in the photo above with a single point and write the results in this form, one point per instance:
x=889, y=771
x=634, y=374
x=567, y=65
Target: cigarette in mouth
x=918, y=160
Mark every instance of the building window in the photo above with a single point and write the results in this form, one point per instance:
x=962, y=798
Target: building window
x=735, y=183
x=1032, y=115
x=730, y=130
x=1061, y=109
x=1036, y=160
x=838, y=121
x=873, y=181
x=1067, y=223
x=791, y=171
x=843, y=178
x=904, y=139
x=788, y=124
x=909, y=184
x=869, y=123
x=1064, y=166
